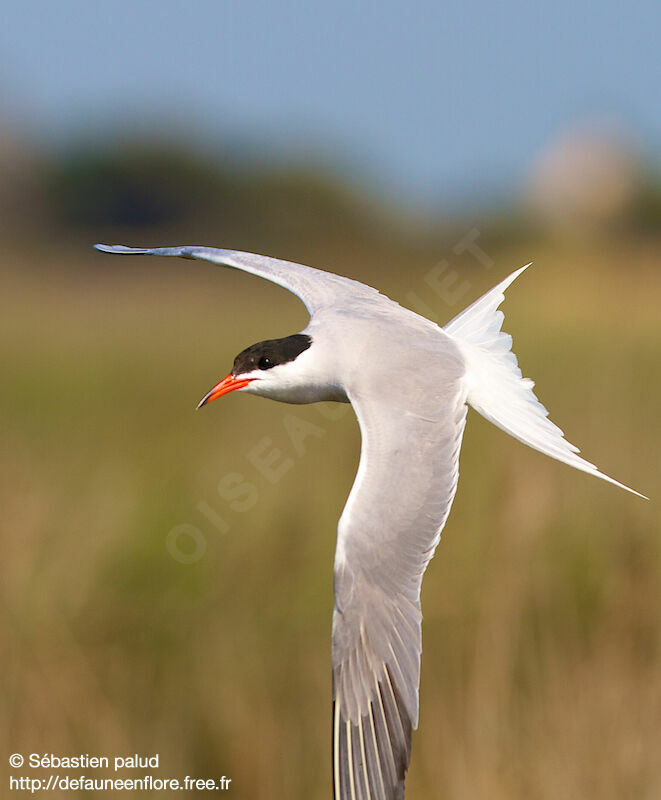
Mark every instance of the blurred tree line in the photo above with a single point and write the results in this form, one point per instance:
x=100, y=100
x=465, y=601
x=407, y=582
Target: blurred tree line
x=112, y=187
x=104, y=188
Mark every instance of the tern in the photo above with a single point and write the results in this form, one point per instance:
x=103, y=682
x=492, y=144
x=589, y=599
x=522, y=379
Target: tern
x=410, y=383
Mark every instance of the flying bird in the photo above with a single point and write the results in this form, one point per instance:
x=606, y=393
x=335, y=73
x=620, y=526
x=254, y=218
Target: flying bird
x=410, y=383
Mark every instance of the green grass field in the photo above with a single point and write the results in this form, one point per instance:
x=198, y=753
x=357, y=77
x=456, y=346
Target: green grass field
x=541, y=671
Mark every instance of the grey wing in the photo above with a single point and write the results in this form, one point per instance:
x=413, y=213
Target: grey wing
x=389, y=529
x=315, y=287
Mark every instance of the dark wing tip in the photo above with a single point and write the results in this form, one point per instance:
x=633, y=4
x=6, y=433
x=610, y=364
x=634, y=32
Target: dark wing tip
x=187, y=251
x=121, y=249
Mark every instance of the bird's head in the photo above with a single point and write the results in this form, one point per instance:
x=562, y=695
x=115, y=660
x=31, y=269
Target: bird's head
x=272, y=369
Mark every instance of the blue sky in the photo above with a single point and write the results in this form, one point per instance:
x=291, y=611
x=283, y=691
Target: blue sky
x=424, y=98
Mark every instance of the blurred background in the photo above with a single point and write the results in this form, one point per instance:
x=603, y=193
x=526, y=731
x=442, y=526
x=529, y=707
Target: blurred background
x=162, y=591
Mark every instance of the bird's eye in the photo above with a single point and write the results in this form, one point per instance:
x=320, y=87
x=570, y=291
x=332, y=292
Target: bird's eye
x=264, y=362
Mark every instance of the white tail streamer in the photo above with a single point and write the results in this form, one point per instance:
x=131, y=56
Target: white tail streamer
x=497, y=390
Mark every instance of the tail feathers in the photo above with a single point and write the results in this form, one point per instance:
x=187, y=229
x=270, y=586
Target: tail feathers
x=496, y=388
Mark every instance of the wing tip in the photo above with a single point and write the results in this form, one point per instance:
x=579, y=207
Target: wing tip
x=121, y=249
x=190, y=252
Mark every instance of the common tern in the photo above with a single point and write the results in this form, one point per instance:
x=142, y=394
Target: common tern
x=410, y=383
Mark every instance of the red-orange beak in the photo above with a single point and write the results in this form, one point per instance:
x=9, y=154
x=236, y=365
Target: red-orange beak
x=228, y=384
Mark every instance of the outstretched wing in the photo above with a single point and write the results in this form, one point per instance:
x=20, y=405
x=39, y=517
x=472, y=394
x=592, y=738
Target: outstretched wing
x=406, y=481
x=315, y=287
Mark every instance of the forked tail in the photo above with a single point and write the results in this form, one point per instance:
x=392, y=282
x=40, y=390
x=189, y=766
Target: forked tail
x=498, y=390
